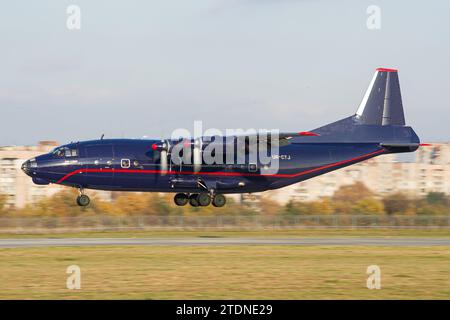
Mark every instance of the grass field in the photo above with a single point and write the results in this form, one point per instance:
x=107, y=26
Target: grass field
x=228, y=272
x=225, y=272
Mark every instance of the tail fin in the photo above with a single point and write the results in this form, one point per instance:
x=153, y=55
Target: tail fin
x=382, y=103
x=379, y=118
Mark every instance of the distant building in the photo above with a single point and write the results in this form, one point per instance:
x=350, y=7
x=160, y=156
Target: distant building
x=16, y=185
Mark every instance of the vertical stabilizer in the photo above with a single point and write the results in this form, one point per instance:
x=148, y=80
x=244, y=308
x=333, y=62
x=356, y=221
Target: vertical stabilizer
x=382, y=102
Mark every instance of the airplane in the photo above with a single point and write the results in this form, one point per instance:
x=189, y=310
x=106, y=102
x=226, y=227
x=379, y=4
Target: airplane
x=146, y=165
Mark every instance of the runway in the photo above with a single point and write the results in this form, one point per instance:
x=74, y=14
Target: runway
x=88, y=242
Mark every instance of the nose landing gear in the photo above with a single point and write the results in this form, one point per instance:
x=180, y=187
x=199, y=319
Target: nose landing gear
x=83, y=200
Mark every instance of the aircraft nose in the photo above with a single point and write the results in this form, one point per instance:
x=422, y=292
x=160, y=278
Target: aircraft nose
x=27, y=165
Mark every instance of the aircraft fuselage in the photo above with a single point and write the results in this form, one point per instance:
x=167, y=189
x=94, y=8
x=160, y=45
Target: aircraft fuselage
x=129, y=165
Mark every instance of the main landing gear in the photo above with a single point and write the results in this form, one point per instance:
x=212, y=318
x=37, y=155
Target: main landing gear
x=200, y=199
x=83, y=200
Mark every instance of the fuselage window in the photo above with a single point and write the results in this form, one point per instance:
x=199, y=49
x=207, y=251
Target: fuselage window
x=125, y=163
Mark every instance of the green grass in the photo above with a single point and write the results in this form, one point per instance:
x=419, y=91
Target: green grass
x=235, y=233
x=225, y=272
x=228, y=272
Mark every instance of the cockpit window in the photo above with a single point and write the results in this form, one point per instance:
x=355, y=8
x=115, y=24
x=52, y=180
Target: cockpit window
x=65, y=152
x=59, y=152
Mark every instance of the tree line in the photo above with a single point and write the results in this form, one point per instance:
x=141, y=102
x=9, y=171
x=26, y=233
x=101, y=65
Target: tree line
x=349, y=199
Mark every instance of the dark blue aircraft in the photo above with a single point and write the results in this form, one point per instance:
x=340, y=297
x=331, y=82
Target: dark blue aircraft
x=377, y=128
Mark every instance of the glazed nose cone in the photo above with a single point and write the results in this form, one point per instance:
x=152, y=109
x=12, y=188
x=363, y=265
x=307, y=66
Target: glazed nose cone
x=27, y=165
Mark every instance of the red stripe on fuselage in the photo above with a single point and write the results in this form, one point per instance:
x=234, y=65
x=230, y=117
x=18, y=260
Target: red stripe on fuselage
x=219, y=173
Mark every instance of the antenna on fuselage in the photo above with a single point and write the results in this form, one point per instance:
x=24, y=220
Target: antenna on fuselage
x=101, y=138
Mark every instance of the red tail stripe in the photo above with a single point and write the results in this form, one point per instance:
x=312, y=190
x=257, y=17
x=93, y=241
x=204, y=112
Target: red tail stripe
x=386, y=70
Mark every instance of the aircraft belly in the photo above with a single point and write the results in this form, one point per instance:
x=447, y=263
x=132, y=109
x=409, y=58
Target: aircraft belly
x=175, y=183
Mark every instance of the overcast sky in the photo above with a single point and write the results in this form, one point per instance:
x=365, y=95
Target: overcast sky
x=144, y=68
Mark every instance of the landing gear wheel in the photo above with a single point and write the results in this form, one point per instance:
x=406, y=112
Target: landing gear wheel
x=83, y=200
x=193, y=200
x=204, y=199
x=219, y=200
x=181, y=199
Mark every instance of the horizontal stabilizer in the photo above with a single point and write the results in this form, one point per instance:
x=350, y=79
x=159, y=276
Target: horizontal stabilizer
x=401, y=147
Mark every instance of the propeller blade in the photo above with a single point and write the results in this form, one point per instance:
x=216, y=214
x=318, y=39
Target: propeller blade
x=197, y=155
x=163, y=162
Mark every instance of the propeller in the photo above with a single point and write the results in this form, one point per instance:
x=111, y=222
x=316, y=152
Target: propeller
x=198, y=144
x=163, y=149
